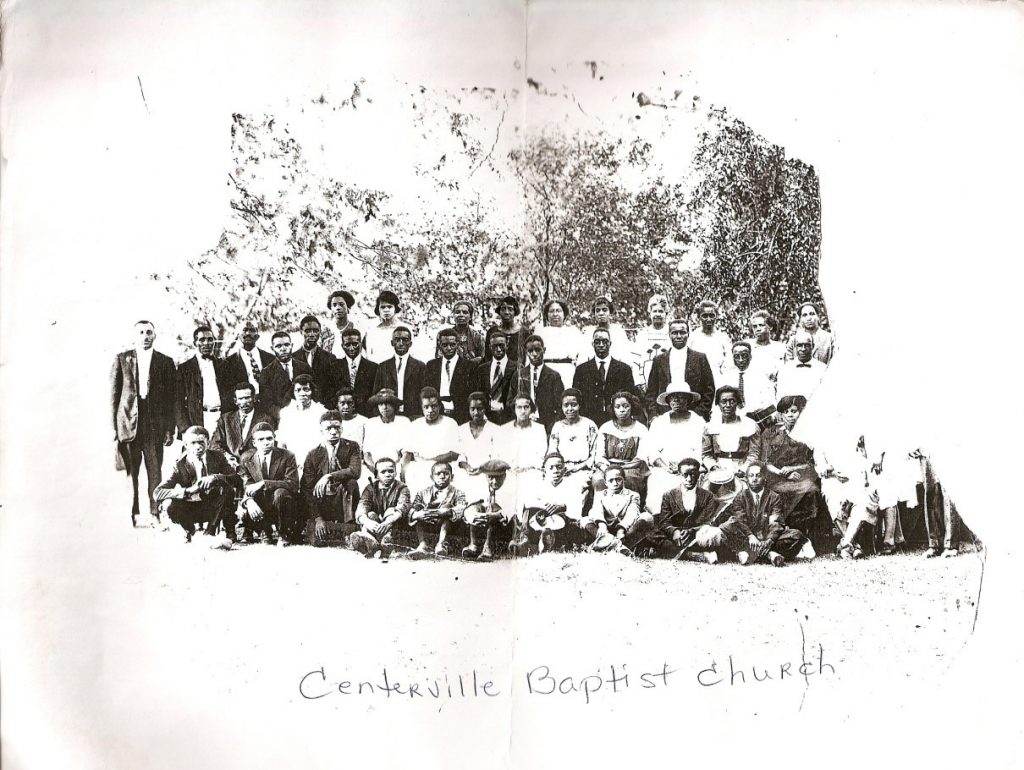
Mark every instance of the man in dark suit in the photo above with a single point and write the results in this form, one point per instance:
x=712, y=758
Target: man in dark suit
x=541, y=383
x=684, y=525
x=329, y=485
x=142, y=399
x=497, y=376
x=201, y=488
x=756, y=530
x=271, y=478
x=681, y=363
x=357, y=372
x=203, y=387
x=409, y=384
x=600, y=378
x=451, y=376
x=276, y=379
x=233, y=434
x=248, y=362
x=324, y=365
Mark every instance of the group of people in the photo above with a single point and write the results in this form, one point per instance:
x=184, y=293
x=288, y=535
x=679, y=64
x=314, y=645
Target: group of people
x=675, y=444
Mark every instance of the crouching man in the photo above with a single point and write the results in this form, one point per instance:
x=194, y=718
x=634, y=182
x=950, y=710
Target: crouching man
x=271, y=478
x=434, y=509
x=201, y=488
x=492, y=514
x=329, y=482
x=383, y=504
x=756, y=530
x=684, y=527
x=616, y=523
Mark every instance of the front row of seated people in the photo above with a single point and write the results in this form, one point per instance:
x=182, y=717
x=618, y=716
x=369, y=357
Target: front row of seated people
x=622, y=487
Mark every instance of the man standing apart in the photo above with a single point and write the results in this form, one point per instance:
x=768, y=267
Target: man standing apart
x=142, y=397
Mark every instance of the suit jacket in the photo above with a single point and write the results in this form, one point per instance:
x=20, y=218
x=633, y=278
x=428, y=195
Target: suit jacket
x=325, y=375
x=463, y=377
x=227, y=436
x=766, y=520
x=504, y=392
x=124, y=394
x=315, y=467
x=363, y=386
x=190, y=392
x=674, y=516
x=184, y=474
x=387, y=377
x=597, y=396
x=549, y=393
x=275, y=387
x=235, y=371
x=284, y=471
x=698, y=374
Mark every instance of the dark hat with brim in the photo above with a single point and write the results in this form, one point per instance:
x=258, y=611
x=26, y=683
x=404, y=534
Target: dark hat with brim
x=384, y=396
x=495, y=468
x=389, y=297
x=674, y=389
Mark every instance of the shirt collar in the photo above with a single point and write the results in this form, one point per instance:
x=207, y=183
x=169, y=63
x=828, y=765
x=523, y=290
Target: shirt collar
x=604, y=360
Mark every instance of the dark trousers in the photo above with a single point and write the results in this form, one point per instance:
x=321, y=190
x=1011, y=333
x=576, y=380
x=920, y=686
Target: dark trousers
x=280, y=509
x=148, y=446
x=339, y=507
x=215, y=507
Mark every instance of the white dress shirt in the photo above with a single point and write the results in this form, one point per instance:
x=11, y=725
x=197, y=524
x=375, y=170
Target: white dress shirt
x=447, y=370
x=353, y=368
x=677, y=366
x=797, y=379
x=211, y=394
x=401, y=362
x=145, y=359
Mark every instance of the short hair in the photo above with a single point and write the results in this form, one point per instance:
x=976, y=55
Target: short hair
x=306, y=319
x=195, y=430
x=245, y=385
x=495, y=331
x=657, y=299
x=345, y=390
x=602, y=300
x=398, y=329
x=466, y=304
x=623, y=394
x=429, y=391
x=802, y=305
x=262, y=425
x=787, y=402
x=574, y=392
x=521, y=395
x=614, y=469
x=379, y=460
x=552, y=455
x=203, y=328
x=689, y=462
x=329, y=415
x=726, y=389
x=679, y=322
x=769, y=319
x=741, y=344
x=277, y=334
x=706, y=303
x=303, y=379
x=449, y=332
x=440, y=464
x=477, y=395
x=599, y=330
x=801, y=337
x=353, y=332
x=144, y=321
x=534, y=338
x=249, y=325
x=756, y=464
x=343, y=294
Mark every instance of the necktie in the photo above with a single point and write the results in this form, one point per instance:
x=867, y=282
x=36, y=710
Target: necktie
x=202, y=467
x=496, y=376
x=448, y=368
x=352, y=369
x=332, y=459
x=398, y=369
x=253, y=364
x=739, y=387
x=536, y=379
x=309, y=358
x=266, y=466
x=288, y=370
x=801, y=366
x=601, y=371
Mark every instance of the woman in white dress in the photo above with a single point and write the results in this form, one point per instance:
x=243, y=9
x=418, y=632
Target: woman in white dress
x=377, y=341
x=387, y=434
x=562, y=344
x=523, y=444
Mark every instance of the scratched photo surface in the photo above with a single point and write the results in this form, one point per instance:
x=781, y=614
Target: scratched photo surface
x=188, y=164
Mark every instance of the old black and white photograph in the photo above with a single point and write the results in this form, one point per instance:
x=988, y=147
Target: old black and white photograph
x=509, y=384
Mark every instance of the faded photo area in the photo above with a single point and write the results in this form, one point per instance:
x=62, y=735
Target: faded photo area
x=489, y=413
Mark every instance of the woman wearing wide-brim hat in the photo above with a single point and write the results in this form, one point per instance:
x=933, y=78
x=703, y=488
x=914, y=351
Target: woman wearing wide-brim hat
x=378, y=337
x=677, y=433
x=562, y=343
x=387, y=434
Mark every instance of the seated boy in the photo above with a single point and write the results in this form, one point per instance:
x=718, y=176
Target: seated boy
x=552, y=505
x=615, y=521
x=489, y=514
x=383, y=503
x=434, y=509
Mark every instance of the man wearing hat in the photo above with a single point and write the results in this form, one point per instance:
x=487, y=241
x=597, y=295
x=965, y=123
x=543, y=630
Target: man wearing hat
x=490, y=513
x=599, y=378
x=677, y=432
x=383, y=504
x=387, y=434
x=402, y=373
x=378, y=338
x=681, y=365
x=338, y=304
x=515, y=333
